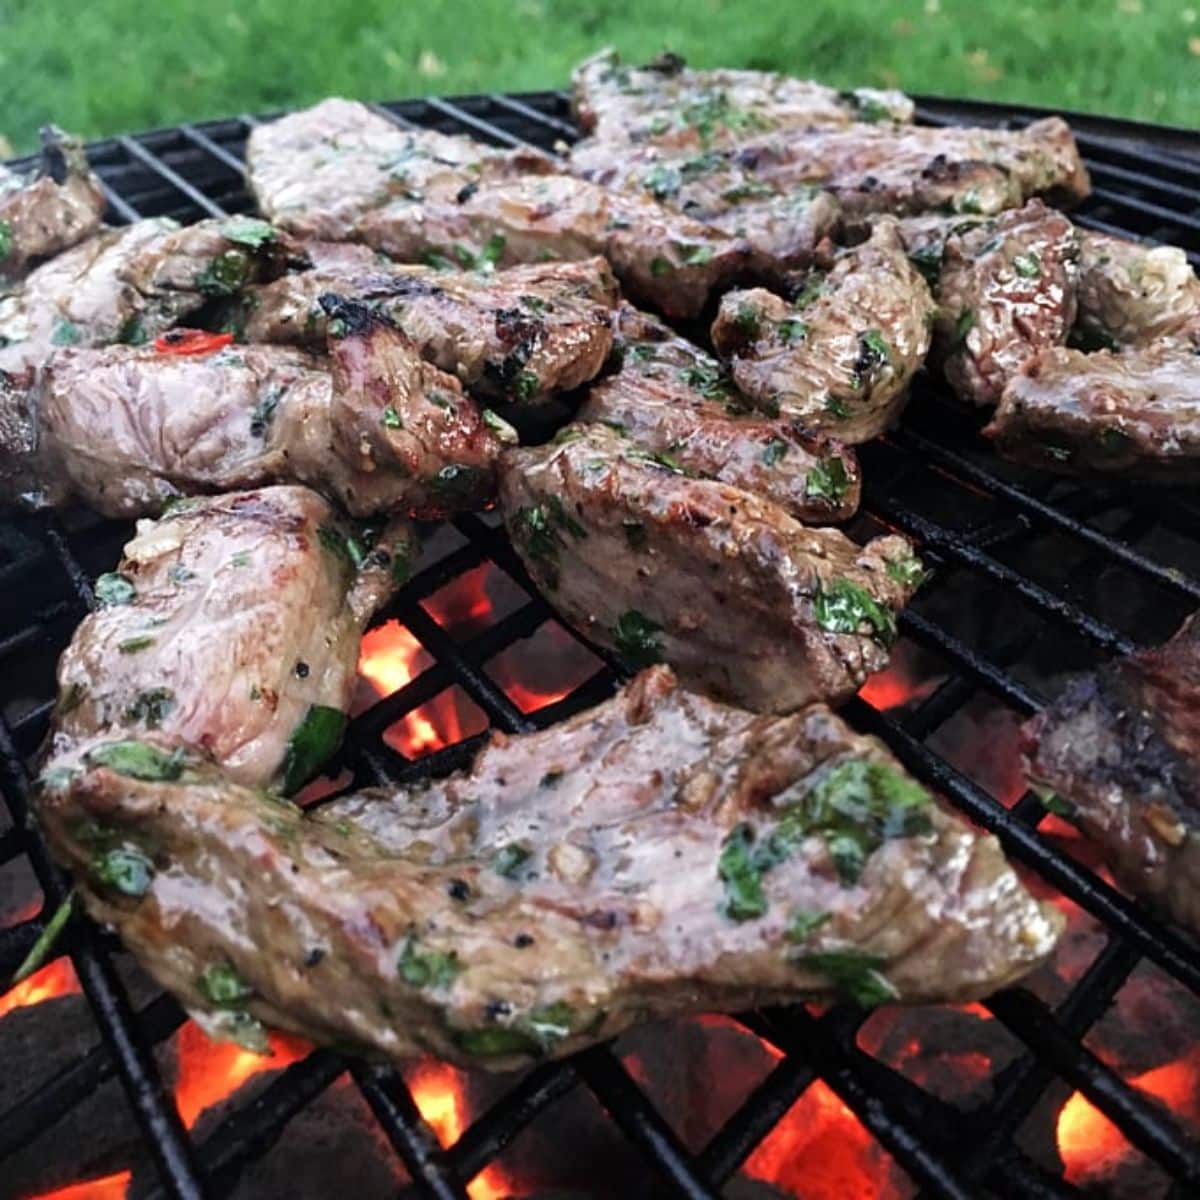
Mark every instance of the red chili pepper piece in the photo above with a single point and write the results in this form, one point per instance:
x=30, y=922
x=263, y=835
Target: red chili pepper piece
x=192, y=341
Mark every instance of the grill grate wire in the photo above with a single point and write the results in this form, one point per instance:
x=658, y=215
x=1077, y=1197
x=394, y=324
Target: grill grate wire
x=1146, y=186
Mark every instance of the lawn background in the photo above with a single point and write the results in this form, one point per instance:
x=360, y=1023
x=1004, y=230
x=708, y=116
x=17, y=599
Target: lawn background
x=107, y=66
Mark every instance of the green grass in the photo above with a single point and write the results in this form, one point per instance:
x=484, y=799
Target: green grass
x=107, y=66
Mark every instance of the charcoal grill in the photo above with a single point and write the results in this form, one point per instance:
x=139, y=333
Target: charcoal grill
x=1026, y=569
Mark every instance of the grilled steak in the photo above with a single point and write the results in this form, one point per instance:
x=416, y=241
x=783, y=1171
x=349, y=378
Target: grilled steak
x=840, y=357
x=231, y=626
x=126, y=429
x=520, y=334
x=917, y=169
x=1120, y=747
x=666, y=103
x=1136, y=413
x=58, y=206
x=786, y=227
x=316, y=172
x=743, y=601
x=128, y=284
x=1131, y=293
x=674, y=400
x=1006, y=289
x=657, y=856
x=340, y=172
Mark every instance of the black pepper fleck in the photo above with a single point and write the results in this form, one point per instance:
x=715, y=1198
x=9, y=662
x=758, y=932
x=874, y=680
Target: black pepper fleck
x=522, y=940
x=314, y=956
x=302, y=670
x=458, y=889
x=495, y=1009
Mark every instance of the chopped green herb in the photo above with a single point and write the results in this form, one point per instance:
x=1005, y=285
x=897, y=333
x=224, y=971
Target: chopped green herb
x=741, y=869
x=792, y=330
x=495, y=1041
x=535, y=303
x=525, y=386
x=40, y=949
x=6, y=239
x=746, y=319
x=814, y=287
x=969, y=202
x=775, y=449
x=241, y=559
x=439, y=262
x=844, y=607
x=837, y=406
x=57, y=779
x=827, y=480
x=137, y=760
x=113, y=589
x=226, y=274
x=928, y=260
x=854, y=973
x=223, y=987
x=661, y=181
x=907, y=571
x=509, y=859
x=485, y=260
x=1058, y=453
x=65, y=333
x=262, y=413
x=805, y=923
x=1054, y=803
x=707, y=378
x=426, y=968
x=242, y=1029
x=637, y=639
x=1028, y=266
x=312, y=744
x=132, y=331
x=151, y=706
x=126, y=870
x=247, y=231
x=391, y=418
x=551, y=1022
x=134, y=644
x=697, y=256
x=637, y=454
x=963, y=325
x=660, y=266
x=180, y=574
x=501, y=428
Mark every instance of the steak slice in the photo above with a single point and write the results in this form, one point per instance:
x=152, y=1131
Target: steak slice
x=655, y=857
x=1135, y=414
x=520, y=334
x=55, y=208
x=1130, y=293
x=1120, y=747
x=917, y=169
x=840, y=357
x=743, y=601
x=674, y=400
x=786, y=227
x=226, y=626
x=666, y=103
x=316, y=172
x=1006, y=289
x=126, y=429
x=129, y=284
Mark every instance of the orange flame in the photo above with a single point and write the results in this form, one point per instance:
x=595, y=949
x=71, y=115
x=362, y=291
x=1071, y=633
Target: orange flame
x=1091, y=1145
x=390, y=656
x=209, y=1071
x=894, y=687
x=108, y=1187
x=439, y=1092
x=821, y=1151
x=53, y=980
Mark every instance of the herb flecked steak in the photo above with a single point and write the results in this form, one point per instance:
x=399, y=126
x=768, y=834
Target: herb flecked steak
x=667, y=103
x=50, y=211
x=743, y=601
x=372, y=426
x=837, y=358
x=672, y=399
x=1118, y=751
x=656, y=856
x=231, y=626
x=520, y=334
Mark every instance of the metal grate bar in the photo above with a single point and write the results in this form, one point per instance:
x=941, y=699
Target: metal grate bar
x=481, y=128
x=199, y=199
x=205, y=143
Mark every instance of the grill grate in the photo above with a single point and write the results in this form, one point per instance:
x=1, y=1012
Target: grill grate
x=977, y=521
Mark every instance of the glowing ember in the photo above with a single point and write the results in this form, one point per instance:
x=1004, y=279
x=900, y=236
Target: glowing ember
x=893, y=688
x=209, y=1071
x=1091, y=1146
x=544, y=668
x=439, y=1092
x=53, y=980
x=390, y=657
x=820, y=1151
x=109, y=1187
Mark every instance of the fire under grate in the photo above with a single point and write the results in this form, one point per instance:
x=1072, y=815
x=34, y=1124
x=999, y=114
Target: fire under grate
x=1033, y=578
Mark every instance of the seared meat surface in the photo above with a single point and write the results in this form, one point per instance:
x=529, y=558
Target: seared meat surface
x=917, y=169
x=1130, y=293
x=1006, y=289
x=659, y=855
x=786, y=227
x=341, y=172
x=840, y=357
x=49, y=212
x=1120, y=747
x=743, y=601
x=674, y=400
x=126, y=429
x=666, y=103
x=225, y=625
x=1135, y=414
x=129, y=284
x=519, y=334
